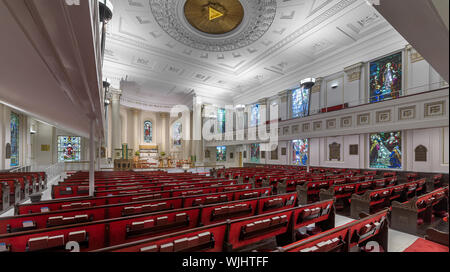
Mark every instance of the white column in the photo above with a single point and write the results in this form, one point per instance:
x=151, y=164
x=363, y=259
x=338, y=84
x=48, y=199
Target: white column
x=137, y=130
x=116, y=124
x=92, y=158
x=99, y=157
x=165, y=118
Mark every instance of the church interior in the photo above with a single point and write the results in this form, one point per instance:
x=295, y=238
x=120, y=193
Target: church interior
x=224, y=126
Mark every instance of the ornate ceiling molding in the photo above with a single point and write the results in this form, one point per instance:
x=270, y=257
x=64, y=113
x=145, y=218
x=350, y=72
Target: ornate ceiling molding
x=258, y=17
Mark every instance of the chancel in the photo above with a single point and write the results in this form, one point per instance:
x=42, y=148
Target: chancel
x=224, y=126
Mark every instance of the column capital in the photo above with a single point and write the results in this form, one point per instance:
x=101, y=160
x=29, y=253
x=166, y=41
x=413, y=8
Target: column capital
x=115, y=93
x=164, y=115
x=414, y=55
x=283, y=93
x=317, y=86
x=354, y=71
x=262, y=101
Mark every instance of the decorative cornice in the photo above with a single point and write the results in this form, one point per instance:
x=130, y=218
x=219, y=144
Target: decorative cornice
x=354, y=71
x=414, y=55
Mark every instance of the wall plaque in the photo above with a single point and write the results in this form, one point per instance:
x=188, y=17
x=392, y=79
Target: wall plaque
x=354, y=149
x=45, y=148
x=274, y=154
x=283, y=151
x=8, y=151
x=207, y=154
x=231, y=155
x=421, y=153
x=263, y=154
x=245, y=154
x=335, y=152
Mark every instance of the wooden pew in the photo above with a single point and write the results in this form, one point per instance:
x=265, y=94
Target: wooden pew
x=210, y=214
x=416, y=215
x=110, y=232
x=383, y=197
x=233, y=235
x=4, y=194
x=351, y=237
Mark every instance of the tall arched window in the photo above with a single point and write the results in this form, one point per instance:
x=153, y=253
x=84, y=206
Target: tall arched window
x=177, y=130
x=148, y=132
x=221, y=120
x=14, y=139
x=300, y=102
x=255, y=116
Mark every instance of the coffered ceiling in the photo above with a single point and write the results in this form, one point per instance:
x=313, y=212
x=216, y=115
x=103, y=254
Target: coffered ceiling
x=165, y=60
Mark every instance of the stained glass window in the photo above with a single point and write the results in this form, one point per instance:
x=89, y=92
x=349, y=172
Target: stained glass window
x=386, y=150
x=300, y=152
x=300, y=102
x=14, y=139
x=148, y=132
x=221, y=153
x=69, y=149
x=177, y=131
x=386, y=78
x=254, y=152
x=255, y=115
x=221, y=120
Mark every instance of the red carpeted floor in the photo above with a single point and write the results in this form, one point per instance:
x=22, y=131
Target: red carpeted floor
x=422, y=245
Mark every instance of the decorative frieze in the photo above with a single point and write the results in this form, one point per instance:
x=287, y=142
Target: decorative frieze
x=407, y=113
x=354, y=72
x=434, y=109
x=364, y=119
x=383, y=116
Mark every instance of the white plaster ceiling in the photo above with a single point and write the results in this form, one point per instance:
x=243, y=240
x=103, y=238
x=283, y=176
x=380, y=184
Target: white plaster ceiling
x=164, y=68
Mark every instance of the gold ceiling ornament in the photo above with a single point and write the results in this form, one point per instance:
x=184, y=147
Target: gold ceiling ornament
x=214, y=16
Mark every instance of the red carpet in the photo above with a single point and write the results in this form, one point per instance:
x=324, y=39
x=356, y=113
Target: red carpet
x=422, y=245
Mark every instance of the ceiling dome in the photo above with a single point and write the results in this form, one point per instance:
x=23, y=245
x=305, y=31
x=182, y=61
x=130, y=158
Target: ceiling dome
x=214, y=17
x=215, y=25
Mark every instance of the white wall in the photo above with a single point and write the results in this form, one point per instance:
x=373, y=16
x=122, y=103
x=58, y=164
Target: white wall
x=436, y=142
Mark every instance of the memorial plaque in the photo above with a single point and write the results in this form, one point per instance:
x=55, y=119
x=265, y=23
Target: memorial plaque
x=274, y=154
x=421, y=153
x=354, y=149
x=207, y=154
x=283, y=151
x=335, y=152
x=8, y=151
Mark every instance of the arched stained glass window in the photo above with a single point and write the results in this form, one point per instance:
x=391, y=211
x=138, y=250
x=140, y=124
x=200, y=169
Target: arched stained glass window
x=254, y=152
x=148, y=132
x=69, y=149
x=177, y=130
x=221, y=153
x=255, y=115
x=221, y=120
x=300, y=152
x=385, y=150
x=14, y=139
x=386, y=78
x=300, y=102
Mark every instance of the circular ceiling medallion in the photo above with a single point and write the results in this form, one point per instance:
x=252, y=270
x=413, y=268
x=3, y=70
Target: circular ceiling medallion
x=214, y=25
x=214, y=16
